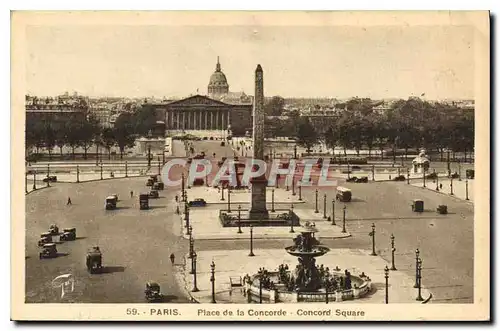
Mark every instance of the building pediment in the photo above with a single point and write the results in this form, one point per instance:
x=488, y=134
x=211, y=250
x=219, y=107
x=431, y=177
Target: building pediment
x=198, y=100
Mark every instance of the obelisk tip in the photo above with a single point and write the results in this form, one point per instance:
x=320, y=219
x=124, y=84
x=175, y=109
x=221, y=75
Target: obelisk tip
x=259, y=68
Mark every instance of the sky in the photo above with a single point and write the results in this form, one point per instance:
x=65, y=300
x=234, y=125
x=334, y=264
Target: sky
x=298, y=61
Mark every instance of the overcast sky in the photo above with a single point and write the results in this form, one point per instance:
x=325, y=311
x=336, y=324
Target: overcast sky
x=337, y=61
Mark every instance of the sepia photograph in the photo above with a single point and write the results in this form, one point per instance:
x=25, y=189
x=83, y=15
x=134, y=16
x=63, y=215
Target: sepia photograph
x=199, y=165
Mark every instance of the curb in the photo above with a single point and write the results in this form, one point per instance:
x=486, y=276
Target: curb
x=265, y=237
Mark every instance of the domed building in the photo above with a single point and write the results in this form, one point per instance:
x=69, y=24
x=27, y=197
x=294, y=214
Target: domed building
x=218, y=86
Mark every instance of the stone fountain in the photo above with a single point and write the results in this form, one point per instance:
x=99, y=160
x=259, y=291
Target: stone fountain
x=308, y=282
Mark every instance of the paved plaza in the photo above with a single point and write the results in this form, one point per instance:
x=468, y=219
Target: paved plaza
x=401, y=288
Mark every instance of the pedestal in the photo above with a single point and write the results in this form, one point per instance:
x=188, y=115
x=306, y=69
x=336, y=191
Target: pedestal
x=258, y=209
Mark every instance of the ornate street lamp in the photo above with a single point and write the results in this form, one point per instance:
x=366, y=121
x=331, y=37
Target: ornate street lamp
x=187, y=220
x=260, y=285
x=239, y=219
x=34, y=180
x=466, y=189
x=437, y=181
x=291, y=219
x=77, y=173
x=222, y=193
x=126, y=169
x=159, y=167
x=451, y=185
x=417, y=254
x=333, y=212
x=272, y=200
x=212, y=280
x=26, y=181
x=408, y=176
x=300, y=191
x=348, y=171
x=373, y=172
x=372, y=234
x=424, y=176
x=419, y=277
x=393, y=250
x=343, y=219
x=324, y=206
x=251, y=241
x=316, y=210
x=228, y=200
x=293, y=185
x=195, y=287
x=386, y=273
x=295, y=152
x=101, y=170
x=182, y=186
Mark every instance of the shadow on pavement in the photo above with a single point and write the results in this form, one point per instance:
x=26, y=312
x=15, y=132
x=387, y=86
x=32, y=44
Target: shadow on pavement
x=122, y=207
x=157, y=207
x=169, y=298
x=62, y=254
x=112, y=269
x=80, y=238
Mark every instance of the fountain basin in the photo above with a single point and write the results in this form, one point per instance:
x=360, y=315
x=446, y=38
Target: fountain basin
x=315, y=251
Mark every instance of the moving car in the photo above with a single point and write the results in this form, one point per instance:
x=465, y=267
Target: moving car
x=143, y=201
x=45, y=238
x=197, y=203
x=68, y=234
x=94, y=260
x=154, y=194
x=343, y=194
x=158, y=186
x=49, y=251
x=153, y=293
x=111, y=202
x=50, y=179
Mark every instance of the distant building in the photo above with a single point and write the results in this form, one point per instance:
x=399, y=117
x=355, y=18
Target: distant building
x=58, y=110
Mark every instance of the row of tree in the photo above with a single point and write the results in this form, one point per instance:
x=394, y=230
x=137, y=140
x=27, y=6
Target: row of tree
x=408, y=124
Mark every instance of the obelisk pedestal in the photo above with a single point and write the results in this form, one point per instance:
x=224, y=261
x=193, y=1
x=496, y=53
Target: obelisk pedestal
x=258, y=209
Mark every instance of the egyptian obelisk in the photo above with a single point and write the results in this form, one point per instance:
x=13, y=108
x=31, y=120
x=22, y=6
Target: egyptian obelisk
x=258, y=208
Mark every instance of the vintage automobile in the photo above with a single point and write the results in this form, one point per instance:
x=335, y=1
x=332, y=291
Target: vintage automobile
x=431, y=176
x=45, y=238
x=197, y=203
x=150, y=182
x=352, y=179
x=154, y=194
x=68, y=234
x=93, y=260
x=49, y=251
x=354, y=167
x=154, y=178
x=399, y=178
x=198, y=182
x=143, y=201
x=417, y=206
x=363, y=179
x=53, y=229
x=222, y=143
x=454, y=175
x=343, y=194
x=153, y=293
x=469, y=173
x=50, y=179
x=158, y=186
x=442, y=209
x=116, y=196
x=110, y=202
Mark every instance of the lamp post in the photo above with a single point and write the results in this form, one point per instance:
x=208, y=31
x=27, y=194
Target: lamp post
x=459, y=170
x=239, y=219
x=466, y=189
x=272, y=200
x=372, y=234
x=182, y=186
x=393, y=250
x=191, y=241
x=163, y=157
x=293, y=185
x=295, y=152
x=448, y=162
x=316, y=210
x=187, y=220
x=348, y=171
x=195, y=287
x=417, y=254
x=48, y=175
x=101, y=170
x=149, y=156
x=343, y=219
x=386, y=273
x=126, y=169
x=251, y=241
x=26, y=181
x=373, y=172
x=408, y=176
x=77, y=173
x=159, y=166
x=291, y=219
x=300, y=192
x=222, y=193
x=451, y=185
x=424, y=176
x=437, y=182
x=333, y=212
x=228, y=200
x=419, y=277
x=260, y=285
x=324, y=206
x=34, y=180
x=212, y=280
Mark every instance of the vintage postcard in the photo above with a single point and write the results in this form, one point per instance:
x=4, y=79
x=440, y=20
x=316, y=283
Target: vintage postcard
x=243, y=166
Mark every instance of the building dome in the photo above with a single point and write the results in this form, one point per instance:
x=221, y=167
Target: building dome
x=218, y=82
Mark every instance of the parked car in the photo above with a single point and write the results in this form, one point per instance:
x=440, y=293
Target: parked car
x=363, y=179
x=343, y=194
x=93, y=260
x=197, y=203
x=143, y=201
x=399, y=178
x=68, y=234
x=153, y=292
x=50, y=179
x=154, y=194
x=469, y=173
x=49, y=251
x=110, y=203
x=45, y=238
x=53, y=229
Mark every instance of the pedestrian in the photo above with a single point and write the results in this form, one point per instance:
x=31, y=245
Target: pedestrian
x=69, y=201
x=441, y=186
x=172, y=258
x=131, y=194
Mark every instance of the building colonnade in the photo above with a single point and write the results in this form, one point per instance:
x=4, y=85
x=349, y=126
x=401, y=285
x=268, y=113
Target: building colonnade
x=203, y=119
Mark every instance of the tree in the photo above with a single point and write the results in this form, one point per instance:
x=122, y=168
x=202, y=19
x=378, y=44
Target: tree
x=108, y=140
x=50, y=138
x=143, y=120
x=123, y=132
x=275, y=106
x=87, y=131
x=306, y=135
x=73, y=130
